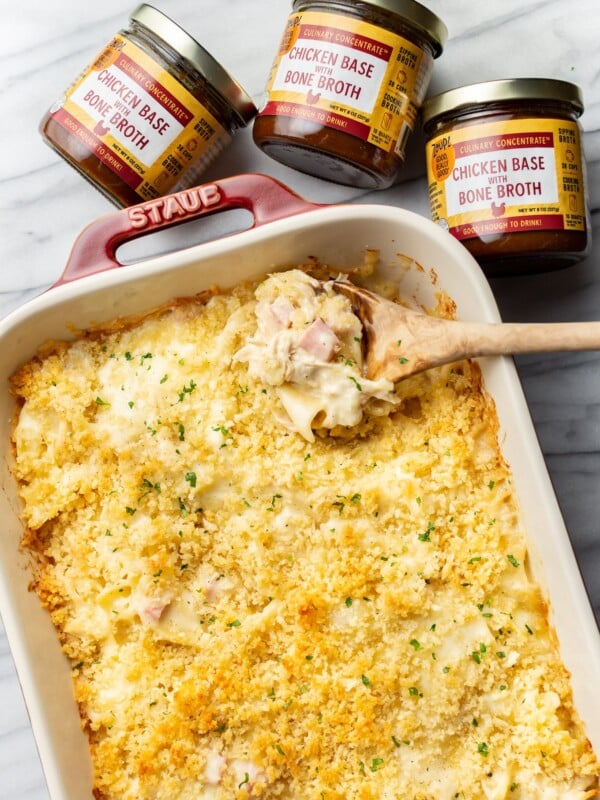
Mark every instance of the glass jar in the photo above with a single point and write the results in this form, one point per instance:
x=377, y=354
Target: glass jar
x=150, y=114
x=506, y=172
x=346, y=86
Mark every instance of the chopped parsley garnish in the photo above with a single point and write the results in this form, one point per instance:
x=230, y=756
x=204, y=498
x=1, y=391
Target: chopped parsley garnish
x=147, y=487
x=187, y=390
x=339, y=505
x=477, y=655
x=273, y=501
x=246, y=780
x=182, y=507
x=191, y=479
x=426, y=536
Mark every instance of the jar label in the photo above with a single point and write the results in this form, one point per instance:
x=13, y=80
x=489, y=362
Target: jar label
x=349, y=75
x=507, y=177
x=137, y=119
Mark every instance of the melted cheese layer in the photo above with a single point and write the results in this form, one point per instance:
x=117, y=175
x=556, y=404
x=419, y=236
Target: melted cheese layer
x=251, y=614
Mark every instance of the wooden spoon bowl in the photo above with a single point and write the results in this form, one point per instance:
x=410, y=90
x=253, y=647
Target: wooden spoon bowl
x=400, y=341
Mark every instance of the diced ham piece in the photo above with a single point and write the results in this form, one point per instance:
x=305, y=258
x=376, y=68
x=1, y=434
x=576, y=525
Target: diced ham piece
x=282, y=310
x=274, y=317
x=215, y=587
x=215, y=766
x=320, y=341
x=151, y=609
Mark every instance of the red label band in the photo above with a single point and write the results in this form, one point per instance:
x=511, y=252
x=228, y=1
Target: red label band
x=110, y=159
x=313, y=114
x=525, y=224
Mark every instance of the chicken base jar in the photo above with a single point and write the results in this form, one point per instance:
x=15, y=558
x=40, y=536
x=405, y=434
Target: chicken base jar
x=506, y=173
x=150, y=114
x=346, y=87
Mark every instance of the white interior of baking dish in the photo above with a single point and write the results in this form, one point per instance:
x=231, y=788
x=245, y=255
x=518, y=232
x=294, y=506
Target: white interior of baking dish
x=338, y=235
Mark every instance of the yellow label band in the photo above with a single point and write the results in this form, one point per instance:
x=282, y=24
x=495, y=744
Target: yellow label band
x=507, y=177
x=349, y=75
x=139, y=120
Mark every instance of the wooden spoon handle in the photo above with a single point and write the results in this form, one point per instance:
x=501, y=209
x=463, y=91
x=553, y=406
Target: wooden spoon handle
x=482, y=339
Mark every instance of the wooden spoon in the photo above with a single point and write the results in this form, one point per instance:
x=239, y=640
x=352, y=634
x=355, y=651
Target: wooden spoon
x=401, y=342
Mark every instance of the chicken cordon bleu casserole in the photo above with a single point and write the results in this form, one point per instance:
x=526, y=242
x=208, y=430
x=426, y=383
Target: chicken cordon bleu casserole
x=276, y=578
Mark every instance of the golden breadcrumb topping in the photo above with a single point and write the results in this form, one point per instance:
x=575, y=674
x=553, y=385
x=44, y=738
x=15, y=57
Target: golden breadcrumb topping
x=250, y=614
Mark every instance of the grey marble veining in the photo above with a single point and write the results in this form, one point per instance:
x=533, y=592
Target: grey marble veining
x=44, y=205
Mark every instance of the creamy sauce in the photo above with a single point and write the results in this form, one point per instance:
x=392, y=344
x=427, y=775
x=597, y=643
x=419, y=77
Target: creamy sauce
x=308, y=346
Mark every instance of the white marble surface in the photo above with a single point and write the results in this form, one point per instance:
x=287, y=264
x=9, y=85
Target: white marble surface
x=44, y=204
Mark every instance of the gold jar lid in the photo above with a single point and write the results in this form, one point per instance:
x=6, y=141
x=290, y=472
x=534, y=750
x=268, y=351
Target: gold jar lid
x=421, y=18
x=201, y=60
x=503, y=91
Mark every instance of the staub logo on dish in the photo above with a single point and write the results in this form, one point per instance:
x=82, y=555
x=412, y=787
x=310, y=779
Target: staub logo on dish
x=190, y=202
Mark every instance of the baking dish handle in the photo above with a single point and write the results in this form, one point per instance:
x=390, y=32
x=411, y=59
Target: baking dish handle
x=95, y=249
